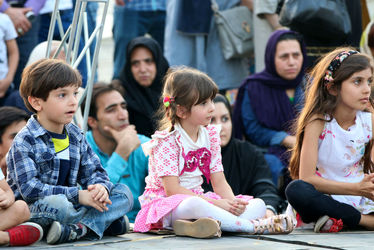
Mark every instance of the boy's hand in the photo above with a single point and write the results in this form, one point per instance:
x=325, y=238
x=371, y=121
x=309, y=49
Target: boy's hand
x=6, y=200
x=85, y=198
x=99, y=193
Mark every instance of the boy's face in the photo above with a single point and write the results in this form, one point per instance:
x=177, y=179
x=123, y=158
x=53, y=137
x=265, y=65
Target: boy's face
x=8, y=136
x=58, y=109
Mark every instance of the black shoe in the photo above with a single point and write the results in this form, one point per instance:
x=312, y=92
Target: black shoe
x=60, y=233
x=119, y=226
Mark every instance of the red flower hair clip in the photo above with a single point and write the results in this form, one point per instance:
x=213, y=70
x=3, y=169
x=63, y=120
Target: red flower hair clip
x=167, y=100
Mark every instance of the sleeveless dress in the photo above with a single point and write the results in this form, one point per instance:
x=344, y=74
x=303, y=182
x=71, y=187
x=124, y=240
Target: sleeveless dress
x=339, y=155
x=175, y=154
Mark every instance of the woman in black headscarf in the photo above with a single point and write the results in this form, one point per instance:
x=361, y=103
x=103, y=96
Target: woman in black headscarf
x=244, y=166
x=142, y=80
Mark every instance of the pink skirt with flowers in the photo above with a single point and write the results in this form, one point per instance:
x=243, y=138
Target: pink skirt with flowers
x=156, y=205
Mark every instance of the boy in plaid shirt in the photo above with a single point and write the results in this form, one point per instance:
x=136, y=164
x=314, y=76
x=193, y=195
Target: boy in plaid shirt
x=50, y=157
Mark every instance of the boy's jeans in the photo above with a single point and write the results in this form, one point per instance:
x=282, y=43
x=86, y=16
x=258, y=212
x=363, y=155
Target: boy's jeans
x=58, y=208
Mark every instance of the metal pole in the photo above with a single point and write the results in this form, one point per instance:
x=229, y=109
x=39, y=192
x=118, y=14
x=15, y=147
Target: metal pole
x=88, y=54
x=71, y=51
x=52, y=29
x=73, y=31
x=94, y=66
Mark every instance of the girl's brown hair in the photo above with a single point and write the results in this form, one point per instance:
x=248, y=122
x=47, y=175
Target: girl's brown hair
x=186, y=87
x=319, y=102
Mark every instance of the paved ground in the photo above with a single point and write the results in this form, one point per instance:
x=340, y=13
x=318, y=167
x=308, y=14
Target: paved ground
x=299, y=239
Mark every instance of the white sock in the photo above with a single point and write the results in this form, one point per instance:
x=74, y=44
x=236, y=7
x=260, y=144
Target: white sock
x=195, y=208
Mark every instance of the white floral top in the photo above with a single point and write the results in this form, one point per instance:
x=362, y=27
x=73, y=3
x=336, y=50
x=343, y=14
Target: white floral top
x=339, y=155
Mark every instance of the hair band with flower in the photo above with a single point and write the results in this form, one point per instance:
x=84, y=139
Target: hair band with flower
x=335, y=64
x=167, y=100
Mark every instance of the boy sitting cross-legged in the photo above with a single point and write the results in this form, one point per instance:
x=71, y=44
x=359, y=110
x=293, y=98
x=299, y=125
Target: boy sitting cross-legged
x=50, y=157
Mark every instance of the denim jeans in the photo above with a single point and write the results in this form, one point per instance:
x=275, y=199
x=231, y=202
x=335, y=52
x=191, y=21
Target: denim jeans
x=128, y=24
x=58, y=208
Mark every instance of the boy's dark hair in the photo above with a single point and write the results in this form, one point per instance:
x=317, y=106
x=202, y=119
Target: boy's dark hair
x=9, y=115
x=45, y=75
x=98, y=90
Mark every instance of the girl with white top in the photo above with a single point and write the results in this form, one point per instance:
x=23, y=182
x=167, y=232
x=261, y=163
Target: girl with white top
x=185, y=148
x=331, y=159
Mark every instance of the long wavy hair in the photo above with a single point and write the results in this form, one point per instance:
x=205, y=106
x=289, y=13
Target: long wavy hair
x=319, y=102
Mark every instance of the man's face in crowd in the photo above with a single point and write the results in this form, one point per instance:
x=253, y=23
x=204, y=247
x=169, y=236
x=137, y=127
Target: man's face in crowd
x=143, y=66
x=111, y=112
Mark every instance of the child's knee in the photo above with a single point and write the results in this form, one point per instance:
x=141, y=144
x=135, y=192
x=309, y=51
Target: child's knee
x=121, y=189
x=21, y=211
x=194, y=201
x=256, y=208
x=119, y=194
x=258, y=203
x=192, y=204
x=58, y=200
x=295, y=189
x=53, y=204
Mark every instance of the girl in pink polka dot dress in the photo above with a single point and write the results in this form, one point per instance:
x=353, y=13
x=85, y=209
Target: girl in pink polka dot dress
x=186, y=148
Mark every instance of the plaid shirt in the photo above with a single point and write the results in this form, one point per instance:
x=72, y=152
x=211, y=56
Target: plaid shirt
x=145, y=5
x=33, y=167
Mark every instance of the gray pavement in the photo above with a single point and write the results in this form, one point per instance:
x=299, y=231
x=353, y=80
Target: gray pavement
x=299, y=239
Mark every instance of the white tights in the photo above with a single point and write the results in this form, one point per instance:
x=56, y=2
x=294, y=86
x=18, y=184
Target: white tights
x=196, y=207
